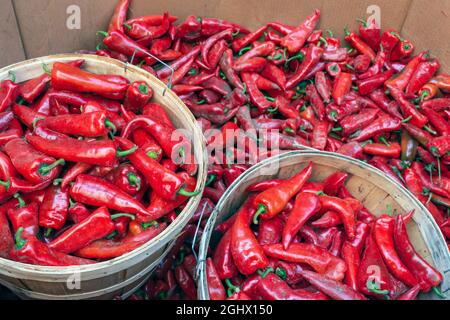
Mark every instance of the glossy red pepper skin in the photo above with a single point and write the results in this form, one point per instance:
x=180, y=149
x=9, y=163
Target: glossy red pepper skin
x=384, y=237
x=247, y=254
x=53, y=211
x=108, y=249
x=408, y=109
x=256, y=96
x=164, y=182
x=439, y=146
x=96, y=226
x=316, y=101
x=33, y=88
x=275, y=199
x=421, y=76
x=331, y=287
x=333, y=183
x=401, y=80
x=370, y=32
x=215, y=287
x=159, y=206
x=6, y=237
x=312, y=57
x=65, y=77
x=119, y=16
x=223, y=259
x=96, y=152
x=345, y=211
x=127, y=178
x=318, y=258
x=25, y=217
x=37, y=253
x=342, y=86
x=306, y=205
x=100, y=193
x=78, y=213
x=87, y=124
x=381, y=125
x=73, y=172
x=295, y=40
x=240, y=43
x=29, y=162
x=380, y=149
x=425, y=274
x=372, y=259
x=269, y=231
x=411, y=294
x=273, y=288
x=9, y=91
x=137, y=96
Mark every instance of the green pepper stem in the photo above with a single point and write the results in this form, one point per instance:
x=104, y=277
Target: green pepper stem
x=143, y=88
x=184, y=192
x=126, y=25
x=35, y=121
x=111, y=126
x=44, y=168
x=134, y=180
x=6, y=184
x=383, y=139
x=336, y=129
x=261, y=210
x=121, y=154
x=244, y=91
x=12, y=75
x=153, y=154
x=264, y=274
x=372, y=287
x=365, y=24
x=231, y=288
x=48, y=232
x=20, y=200
x=46, y=68
x=280, y=272
x=201, y=102
x=119, y=215
x=437, y=291
x=211, y=179
x=427, y=128
x=20, y=243
x=146, y=225
x=111, y=235
x=57, y=181
x=102, y=33
x=71, y=203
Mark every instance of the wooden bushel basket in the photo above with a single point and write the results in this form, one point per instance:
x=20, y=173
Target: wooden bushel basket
x=122, y=275
x=366, y=183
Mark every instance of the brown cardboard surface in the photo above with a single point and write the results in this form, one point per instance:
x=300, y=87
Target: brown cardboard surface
x=428, y=27
x=43, y=22
x=10, y=41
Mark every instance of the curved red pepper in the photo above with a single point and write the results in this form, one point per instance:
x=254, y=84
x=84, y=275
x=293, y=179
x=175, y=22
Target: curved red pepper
x=53, y=211
x=215, y=286
x=119, y=16
x=295, y=39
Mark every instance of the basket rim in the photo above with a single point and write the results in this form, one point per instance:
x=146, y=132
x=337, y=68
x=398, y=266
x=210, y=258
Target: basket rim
x=8, y=267
x=202, y=283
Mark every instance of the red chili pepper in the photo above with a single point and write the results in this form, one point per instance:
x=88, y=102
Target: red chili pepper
x=256, y=96
x=138, y=95
x=421, y=76
x=342, y=86
x=98, y=225
x=164, y=182
x=215, y=286
x=380, y=149
x=33, y=251
x=384, y=103
x=65, y=77
x=411, y=294
x=98, y=192
x=439, y=146
x=356, y=42
x=361, y=63
x=368, y=85
x=127, y=178
x=370, y=32
x=223, y=259
x=209, y=43
x=119, y=16
x=401, y=80
x=100, y=152
x=331, y=288
x=108, y=249
x=317, y=258
x=145, y=33
x=381, y=125
x=185, y=282
x=159, y=206
x=247, y=254
x=9, y=91
x=26, y=217
x=373, y=277
x=352, y=149
x=402, y=50
x=312, y=57
x=408, y=109
x=226, y=63
x=30, y=163
x=88, y=101
x=271, y=202
x=269, y=231
x=295, y=40
x=425, y=274
x=53, y=211
x=272, y=287
x=240, y=43
x=211, y=26
x=333, y=183
x=442, y=81
x=161, y=132
x=306, y=205
x=190, y=28
x=6, y=238
x=78, y=213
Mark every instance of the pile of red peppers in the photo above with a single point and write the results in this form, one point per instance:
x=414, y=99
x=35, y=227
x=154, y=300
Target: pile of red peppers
x=298, y=240
x=86, y=170
x=288, y=87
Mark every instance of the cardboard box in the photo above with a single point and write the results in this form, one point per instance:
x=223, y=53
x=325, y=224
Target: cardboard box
x=36, y=28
